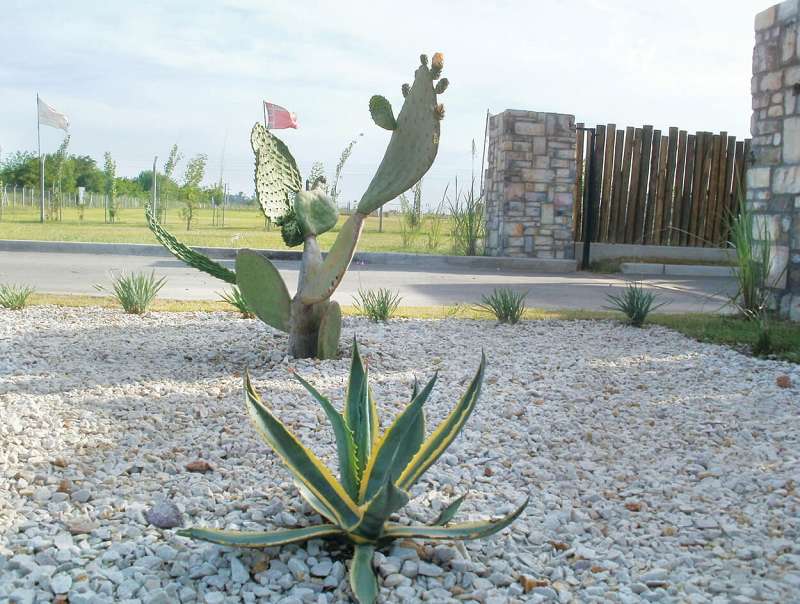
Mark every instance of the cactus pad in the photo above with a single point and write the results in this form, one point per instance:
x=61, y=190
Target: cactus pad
x=381, y=111
x=315, y=212
x=263, y=289
x=414, y=142
x=276, y=176
x=330, y=327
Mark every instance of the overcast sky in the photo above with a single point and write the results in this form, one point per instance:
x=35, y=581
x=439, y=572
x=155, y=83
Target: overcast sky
x=136, y=77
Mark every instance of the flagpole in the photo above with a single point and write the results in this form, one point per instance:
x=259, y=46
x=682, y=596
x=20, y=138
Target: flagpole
x=41, y=160
x=265, y=114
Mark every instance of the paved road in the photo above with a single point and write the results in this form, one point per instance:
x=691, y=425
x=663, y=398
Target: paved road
x=77, y=273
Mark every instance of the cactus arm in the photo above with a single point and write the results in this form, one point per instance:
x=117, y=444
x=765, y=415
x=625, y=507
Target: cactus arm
x=321, y=281
x=263, y=289
x=184, y=252
x=276, y=175
x=415, y=138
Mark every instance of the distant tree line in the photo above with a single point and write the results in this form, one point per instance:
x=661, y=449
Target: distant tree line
x=67, y=172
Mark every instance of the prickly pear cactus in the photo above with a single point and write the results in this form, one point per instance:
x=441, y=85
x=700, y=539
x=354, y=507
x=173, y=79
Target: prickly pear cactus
x=311, y=319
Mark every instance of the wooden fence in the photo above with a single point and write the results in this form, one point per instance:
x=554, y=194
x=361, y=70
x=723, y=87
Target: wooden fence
x=670, y=189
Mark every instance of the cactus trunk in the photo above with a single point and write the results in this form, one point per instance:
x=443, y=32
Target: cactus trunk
x=304, y=328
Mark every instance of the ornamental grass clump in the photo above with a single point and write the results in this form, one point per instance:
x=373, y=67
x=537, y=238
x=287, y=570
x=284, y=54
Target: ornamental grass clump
x=234, y=298
x=15, y=297
x=753, y=247
x=376, y=473
x=135, y=292
x=505, y=304
x=376, y=304
x=635, y=303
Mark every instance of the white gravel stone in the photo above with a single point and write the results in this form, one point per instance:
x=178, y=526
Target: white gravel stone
x=658, y=468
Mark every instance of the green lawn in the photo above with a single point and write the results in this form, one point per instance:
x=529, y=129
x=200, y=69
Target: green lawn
x=711, y=328
x=243, y=228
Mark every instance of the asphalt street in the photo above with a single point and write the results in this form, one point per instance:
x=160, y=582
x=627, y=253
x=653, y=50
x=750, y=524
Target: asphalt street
x=76, y=273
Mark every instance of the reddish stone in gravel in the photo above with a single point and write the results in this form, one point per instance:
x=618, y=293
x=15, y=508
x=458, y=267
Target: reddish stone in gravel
x=199, y=465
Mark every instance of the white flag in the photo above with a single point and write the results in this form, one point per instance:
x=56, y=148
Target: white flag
x=50, y=117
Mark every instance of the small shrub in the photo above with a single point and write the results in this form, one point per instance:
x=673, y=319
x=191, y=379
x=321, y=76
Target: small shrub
x=450, y=312
x=635, y=303
x=506, y=304
x=135, y=292
x=15, y=297
x=468, y=226
x=376, y=304
x=235, y=299
x=435, y=221
x=411, y=216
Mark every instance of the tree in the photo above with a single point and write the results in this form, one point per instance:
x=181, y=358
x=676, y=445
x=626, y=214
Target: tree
x=316, y=178
x=110, y=171
x=335, y=191
x=21, y=168
x=193, y=175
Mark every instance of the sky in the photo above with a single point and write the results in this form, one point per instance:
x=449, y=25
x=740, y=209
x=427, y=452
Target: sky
x=136, y=77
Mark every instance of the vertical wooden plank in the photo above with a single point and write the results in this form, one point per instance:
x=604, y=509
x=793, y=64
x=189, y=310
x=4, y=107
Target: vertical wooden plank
x=652, y=188
x=577, y=206
x=708, y=222
x=674, y=222
x=597, y=166
x=624, y=193
x=730, y=186
x=688, y=188
x=644, y=177
x=617, y=208
x=717, y=163
x=633, y=190
x=723, y=188
x=739, y=173
x=665, y=211
x=661, y=191
x=697, y=185
x=705, y=177
x=608, y=173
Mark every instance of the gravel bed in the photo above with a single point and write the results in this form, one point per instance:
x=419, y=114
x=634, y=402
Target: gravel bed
x=659, y=468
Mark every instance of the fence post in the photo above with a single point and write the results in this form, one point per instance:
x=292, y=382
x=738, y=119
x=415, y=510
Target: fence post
x=588, y=206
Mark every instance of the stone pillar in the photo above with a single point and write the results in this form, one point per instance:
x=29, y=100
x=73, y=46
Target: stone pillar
x=530, y=184
x=773, y=180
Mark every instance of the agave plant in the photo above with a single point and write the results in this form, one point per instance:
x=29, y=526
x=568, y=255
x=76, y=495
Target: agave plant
x=376, y=472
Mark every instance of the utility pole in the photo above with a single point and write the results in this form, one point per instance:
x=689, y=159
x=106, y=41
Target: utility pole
x=154, y=187
x=41, y=160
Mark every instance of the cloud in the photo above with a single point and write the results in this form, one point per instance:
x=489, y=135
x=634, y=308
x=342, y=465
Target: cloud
x=136, y=77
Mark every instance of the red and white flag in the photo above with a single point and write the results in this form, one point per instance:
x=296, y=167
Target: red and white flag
x=48, y=116
x=278, y=118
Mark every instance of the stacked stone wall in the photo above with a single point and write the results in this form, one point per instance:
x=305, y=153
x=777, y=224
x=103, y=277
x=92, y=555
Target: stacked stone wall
x=530, y=184
x=773, y=179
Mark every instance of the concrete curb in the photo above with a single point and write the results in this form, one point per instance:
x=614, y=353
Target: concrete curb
x=426, y=261
x=676, y=270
